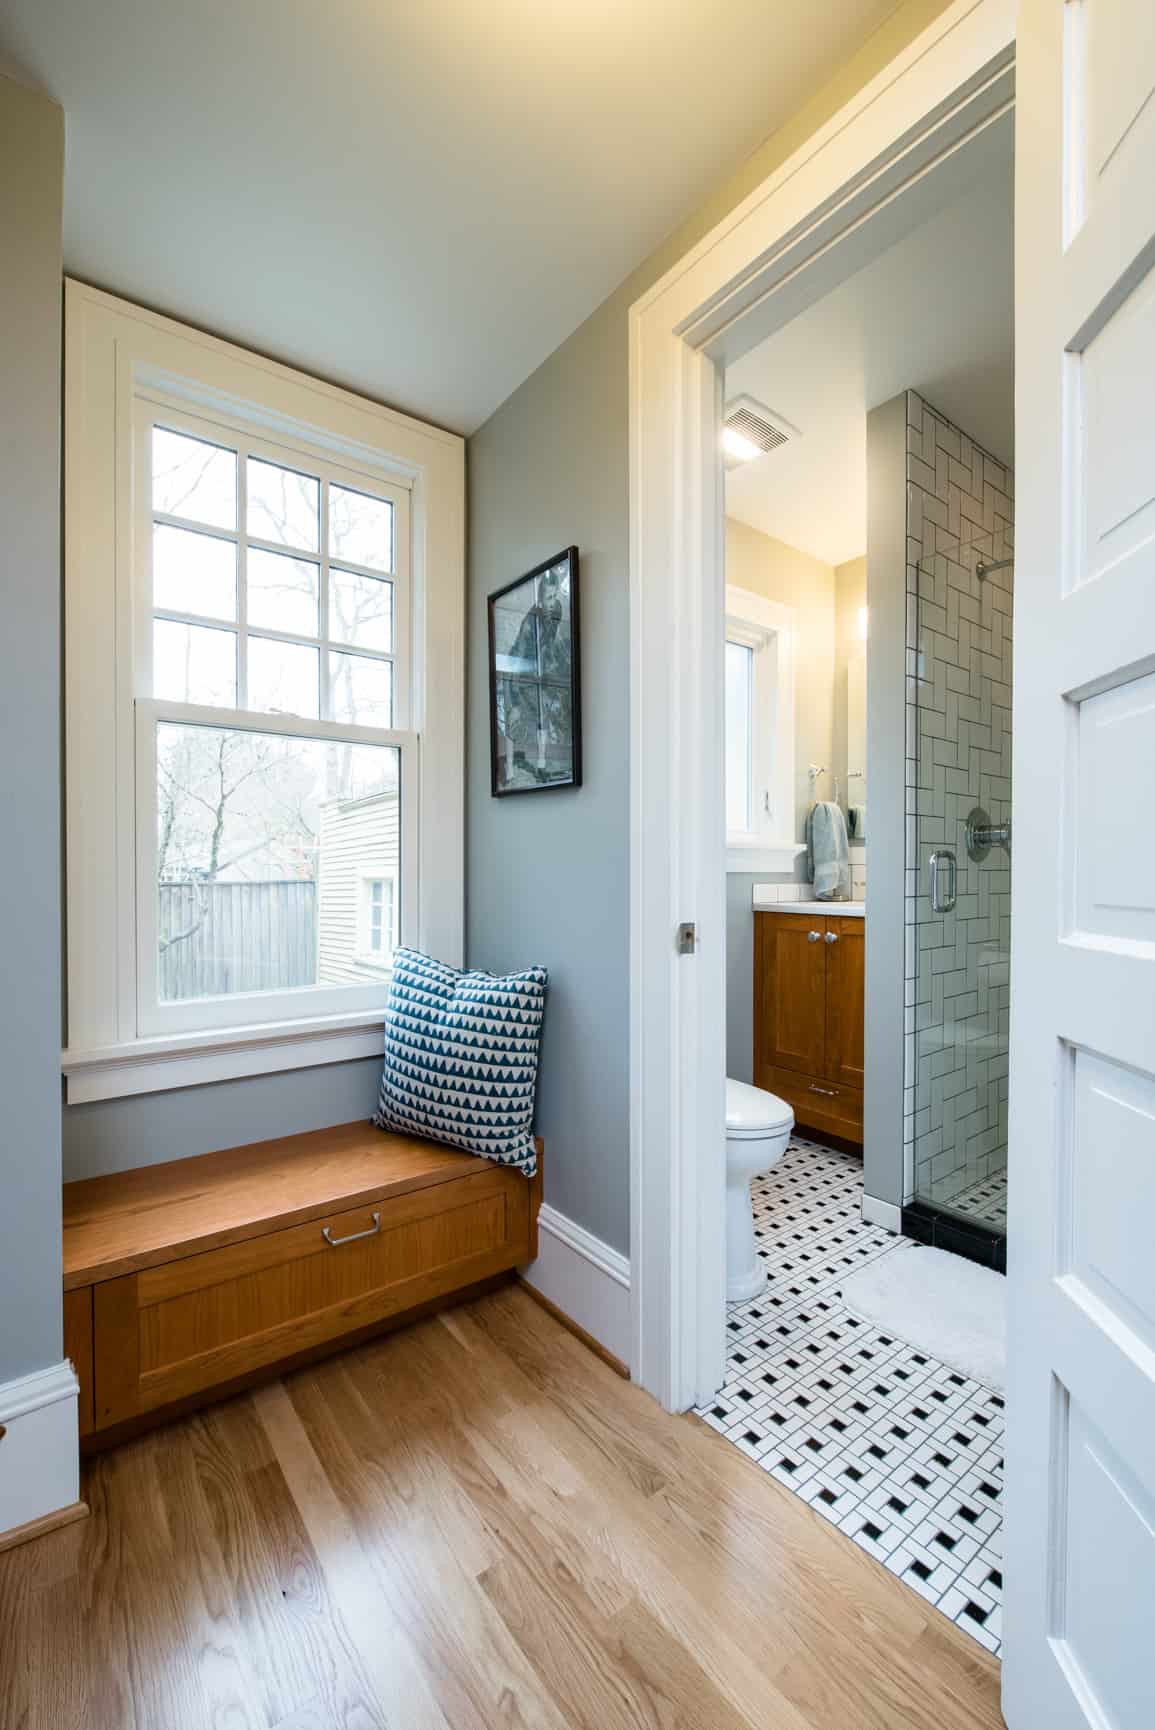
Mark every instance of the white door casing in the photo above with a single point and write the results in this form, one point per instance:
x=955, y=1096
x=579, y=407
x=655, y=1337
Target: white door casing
x=1080, y=1573
x=890, y=157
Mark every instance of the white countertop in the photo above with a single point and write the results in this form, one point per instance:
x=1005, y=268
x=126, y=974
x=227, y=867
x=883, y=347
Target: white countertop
x=842, y=909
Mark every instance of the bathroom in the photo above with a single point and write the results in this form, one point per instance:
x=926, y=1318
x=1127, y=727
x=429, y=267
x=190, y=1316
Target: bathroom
x=869, y=566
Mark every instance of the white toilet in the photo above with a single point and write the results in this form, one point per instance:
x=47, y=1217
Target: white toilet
x=758, y=1126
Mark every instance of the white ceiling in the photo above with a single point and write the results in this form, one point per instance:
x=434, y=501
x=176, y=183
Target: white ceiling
x=934, y=314
x=418, y=200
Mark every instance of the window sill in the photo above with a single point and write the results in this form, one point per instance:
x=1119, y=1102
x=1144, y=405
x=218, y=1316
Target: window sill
x=758, y=855
x=155, y=1065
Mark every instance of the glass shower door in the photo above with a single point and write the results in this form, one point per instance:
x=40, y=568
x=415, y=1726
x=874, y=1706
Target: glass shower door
x=958, y=906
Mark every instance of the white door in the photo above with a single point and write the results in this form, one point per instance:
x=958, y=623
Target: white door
x=1080, y=1567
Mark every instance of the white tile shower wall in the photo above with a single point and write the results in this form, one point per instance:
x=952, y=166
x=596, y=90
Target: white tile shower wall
x=960, y=510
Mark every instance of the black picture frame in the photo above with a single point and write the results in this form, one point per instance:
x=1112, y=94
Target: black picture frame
x=535, y=731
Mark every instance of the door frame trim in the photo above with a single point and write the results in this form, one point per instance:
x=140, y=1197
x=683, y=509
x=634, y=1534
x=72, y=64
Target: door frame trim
x=815, y=220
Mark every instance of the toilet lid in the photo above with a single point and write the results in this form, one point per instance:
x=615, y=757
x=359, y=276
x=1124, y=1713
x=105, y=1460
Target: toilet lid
x=751, y=1111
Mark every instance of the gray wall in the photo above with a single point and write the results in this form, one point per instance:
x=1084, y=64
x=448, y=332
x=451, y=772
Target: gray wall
x=548, y=873
x=117, y=1134
x=886, y=779
x=31, y=186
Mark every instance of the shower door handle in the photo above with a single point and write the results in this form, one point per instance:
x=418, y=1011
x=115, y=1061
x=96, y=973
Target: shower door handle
x=943, y=881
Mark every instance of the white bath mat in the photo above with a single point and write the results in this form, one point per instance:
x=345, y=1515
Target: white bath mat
x=948, y=1307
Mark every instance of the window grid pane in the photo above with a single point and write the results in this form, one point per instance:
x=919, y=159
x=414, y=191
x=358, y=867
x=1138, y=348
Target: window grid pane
x=267, y=588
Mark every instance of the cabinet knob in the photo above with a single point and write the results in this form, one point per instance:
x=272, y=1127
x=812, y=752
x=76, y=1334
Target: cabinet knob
x=813, y=936
x=832, y=937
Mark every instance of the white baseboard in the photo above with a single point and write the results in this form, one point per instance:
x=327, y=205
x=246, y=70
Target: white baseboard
x=39, y=1455
x=584, y=1278
x=884, y=1213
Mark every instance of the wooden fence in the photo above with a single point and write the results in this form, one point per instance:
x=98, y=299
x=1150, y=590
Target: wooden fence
x=220, y=938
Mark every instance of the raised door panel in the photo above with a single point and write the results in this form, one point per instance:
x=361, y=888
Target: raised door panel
x=171, y=1331
x=790, y=992
x=845, y=999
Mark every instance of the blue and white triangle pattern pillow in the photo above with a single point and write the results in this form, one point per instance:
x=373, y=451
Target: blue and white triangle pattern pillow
x=461, y=1057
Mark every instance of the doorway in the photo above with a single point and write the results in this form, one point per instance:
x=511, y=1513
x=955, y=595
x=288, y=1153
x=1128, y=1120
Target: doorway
x=900, y=151
x=889, y=1425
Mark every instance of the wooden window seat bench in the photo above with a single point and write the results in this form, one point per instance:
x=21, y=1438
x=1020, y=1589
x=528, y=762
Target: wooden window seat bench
x=189, y=1280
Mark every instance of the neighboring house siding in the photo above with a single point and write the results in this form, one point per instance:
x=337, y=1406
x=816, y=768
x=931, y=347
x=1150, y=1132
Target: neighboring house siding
x=358, y=840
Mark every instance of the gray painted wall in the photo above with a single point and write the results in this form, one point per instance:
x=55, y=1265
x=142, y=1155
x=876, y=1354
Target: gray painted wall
x=548, y=876
x=117, y=1134
x=31, y=189
x=886, y=780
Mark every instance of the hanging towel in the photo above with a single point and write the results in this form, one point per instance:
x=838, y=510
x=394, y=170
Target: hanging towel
x=827, y=854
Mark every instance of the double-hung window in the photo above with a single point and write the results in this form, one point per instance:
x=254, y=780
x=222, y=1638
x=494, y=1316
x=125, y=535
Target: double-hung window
x=274, y=760
x=272, y=766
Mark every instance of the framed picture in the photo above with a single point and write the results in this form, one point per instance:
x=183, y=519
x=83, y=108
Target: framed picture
x=534, y=680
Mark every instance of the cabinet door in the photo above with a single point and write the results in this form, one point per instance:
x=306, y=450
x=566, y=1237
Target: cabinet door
x=845, y=946
x=790, y=992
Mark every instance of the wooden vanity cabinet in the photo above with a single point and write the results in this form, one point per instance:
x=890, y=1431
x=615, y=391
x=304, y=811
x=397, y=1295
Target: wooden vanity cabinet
x=809, y=978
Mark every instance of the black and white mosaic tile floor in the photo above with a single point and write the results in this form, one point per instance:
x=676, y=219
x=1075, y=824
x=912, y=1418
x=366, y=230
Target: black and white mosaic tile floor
x=986, y=1201
x=901, y=1453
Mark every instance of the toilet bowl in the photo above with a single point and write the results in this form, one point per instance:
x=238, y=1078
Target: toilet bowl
x=758, y=1126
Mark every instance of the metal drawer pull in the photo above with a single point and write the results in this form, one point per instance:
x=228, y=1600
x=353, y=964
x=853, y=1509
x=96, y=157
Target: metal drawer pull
x=813, y=936
x=832, y=937
x=830, y=1092
x=336, y=1242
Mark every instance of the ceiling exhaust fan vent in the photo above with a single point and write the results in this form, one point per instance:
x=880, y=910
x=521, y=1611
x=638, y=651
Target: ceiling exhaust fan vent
x=749, y=423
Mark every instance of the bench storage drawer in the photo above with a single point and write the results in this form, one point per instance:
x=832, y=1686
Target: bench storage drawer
x=193, y=1278
x=170, y=1331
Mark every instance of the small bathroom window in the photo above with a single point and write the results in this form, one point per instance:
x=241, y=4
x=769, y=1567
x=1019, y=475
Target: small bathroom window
x=759, y=730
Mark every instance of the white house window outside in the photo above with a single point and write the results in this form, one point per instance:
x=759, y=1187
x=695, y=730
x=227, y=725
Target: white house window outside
x=378, y=918
x=274, y=676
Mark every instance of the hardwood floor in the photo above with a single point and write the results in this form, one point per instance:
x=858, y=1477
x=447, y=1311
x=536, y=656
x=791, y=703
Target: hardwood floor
x=469, y=1523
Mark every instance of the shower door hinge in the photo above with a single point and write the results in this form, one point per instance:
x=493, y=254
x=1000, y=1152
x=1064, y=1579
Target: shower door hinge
x=687, y=939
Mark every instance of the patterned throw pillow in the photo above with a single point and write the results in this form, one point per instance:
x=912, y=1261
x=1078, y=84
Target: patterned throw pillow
x=461, y=1057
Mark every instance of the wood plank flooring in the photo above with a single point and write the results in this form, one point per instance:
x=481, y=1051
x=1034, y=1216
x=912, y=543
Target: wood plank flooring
x=471, y=1523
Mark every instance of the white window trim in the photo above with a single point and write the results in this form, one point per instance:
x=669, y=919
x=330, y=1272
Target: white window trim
x=116, y=352
x=770, y=629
